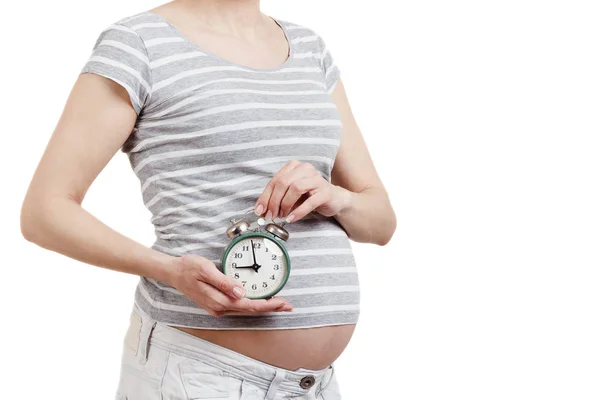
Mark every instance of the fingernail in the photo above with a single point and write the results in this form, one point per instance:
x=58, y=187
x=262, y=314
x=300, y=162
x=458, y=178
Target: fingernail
x=269, y=214
x=239, y=292
x=290, y=218
x=259, y=209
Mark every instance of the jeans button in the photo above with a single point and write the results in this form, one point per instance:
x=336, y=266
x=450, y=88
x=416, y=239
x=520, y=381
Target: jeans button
x=307, y=382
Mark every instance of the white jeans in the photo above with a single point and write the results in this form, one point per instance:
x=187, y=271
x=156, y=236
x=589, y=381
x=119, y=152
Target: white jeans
x=163, y=363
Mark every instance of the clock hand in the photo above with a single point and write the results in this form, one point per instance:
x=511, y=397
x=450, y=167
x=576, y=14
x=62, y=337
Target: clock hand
x=253, y=254
x=255, y=267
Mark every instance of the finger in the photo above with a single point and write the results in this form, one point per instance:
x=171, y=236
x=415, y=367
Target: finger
x=287, y=307
x=260, y=305
x=260, y=207
x=301, y=200
x=244, y=313
x=296, y=190
x=212, y=300
x=283, y=183
x=216, y=301
x=309, y=205
x=280, y=188
x=279, y=184
x=210, y=274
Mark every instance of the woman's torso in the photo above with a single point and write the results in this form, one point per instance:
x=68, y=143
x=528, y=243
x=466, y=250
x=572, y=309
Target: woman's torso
x=209, y=136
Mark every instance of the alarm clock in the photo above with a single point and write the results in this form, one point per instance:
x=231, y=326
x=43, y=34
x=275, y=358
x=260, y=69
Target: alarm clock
x=257, y=259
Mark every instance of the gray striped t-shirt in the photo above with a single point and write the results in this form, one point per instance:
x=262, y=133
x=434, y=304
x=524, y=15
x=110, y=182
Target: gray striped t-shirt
x=210, y=134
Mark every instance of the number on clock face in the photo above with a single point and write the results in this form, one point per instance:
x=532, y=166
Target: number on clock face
x=260, y=278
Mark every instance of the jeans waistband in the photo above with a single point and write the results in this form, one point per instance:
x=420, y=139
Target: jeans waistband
x=268, y=376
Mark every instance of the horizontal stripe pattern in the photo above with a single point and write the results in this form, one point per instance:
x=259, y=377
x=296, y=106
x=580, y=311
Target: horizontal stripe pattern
x=267, y=83
x=210, y=134
x=162, y=41
x=237, y=107
x=226, y=68
x=234, y=127
x=233, y=147
x=214, y=93
x=174, y=58
x=192, y=189
x=143, y=57
x=218, y=167
x=116, y=64
x=318, y=290
x=191, y=309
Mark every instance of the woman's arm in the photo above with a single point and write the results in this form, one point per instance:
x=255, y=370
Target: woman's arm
x=96, y=121
x=368, y=215
x=356, y=196
x=94, y=124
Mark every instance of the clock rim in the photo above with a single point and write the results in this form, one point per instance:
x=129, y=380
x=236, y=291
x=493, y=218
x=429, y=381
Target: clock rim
x=274, y=240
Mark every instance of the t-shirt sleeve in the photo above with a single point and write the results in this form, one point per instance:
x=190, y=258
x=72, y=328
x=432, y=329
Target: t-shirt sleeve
x=120, y=55
x=330, y=68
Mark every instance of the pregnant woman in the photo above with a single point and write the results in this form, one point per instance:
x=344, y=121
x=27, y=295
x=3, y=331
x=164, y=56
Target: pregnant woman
x=224, y=113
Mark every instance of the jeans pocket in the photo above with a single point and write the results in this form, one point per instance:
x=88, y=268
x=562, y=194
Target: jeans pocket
x=331, y=390
x=251, y=392
x=141, y=381
x=203, y=381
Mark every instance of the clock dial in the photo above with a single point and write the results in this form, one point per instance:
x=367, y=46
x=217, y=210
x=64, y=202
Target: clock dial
x=259, y=264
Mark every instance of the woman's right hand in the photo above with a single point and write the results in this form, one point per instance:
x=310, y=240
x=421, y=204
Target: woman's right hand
x=200, y=280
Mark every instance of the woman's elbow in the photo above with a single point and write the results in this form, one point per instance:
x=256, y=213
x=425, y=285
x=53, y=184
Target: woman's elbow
x=387, y=233
x=35, y=216
x=29, y=228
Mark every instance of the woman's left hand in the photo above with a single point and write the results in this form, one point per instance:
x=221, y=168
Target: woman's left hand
x=296, y=190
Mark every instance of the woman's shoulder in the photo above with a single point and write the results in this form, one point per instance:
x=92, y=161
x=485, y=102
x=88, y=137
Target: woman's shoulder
x=302, y=35
x=298, y=29
x=139, y=20
x=133, y=26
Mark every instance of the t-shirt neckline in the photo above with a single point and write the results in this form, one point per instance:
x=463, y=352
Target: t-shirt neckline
x=224, y=60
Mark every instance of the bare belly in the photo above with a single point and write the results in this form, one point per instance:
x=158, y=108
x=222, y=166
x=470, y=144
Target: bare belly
x=311, y=348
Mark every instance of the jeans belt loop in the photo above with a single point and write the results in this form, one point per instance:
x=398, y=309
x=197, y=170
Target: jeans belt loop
x=147, y=328
x=279, y=377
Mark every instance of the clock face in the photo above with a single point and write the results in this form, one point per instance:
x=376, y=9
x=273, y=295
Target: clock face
x=258, y=263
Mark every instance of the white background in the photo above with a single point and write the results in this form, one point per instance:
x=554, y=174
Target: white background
x=483, y=121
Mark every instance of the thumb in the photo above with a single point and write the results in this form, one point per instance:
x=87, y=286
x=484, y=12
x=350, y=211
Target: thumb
x=210, y=274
